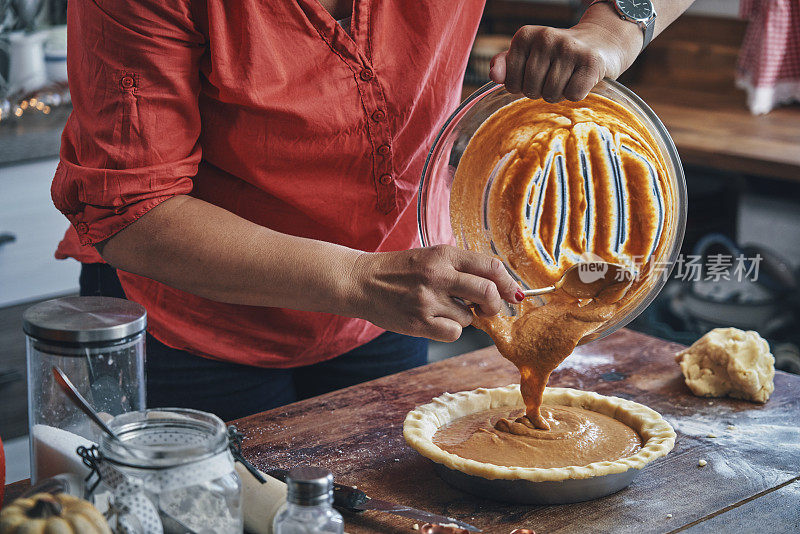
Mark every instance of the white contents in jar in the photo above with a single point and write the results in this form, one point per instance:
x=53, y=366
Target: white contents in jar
x=203, y=511
x=55, y=452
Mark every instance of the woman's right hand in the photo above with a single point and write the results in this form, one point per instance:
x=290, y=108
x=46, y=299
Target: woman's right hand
x=414, y=292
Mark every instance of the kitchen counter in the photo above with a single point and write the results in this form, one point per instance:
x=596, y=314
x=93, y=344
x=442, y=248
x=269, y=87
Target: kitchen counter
x=752, y=476
x=33, y=137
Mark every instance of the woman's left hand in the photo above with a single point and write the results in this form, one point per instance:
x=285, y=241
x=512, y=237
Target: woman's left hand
x=557, y=64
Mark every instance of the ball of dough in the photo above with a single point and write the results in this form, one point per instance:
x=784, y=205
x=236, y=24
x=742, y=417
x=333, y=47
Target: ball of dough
x=729, y=362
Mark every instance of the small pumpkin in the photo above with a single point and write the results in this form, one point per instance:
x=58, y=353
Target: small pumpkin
x=44, y=513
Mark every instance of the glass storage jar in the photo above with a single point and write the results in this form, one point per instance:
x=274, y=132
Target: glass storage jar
x=98, y=342
x=171, y=469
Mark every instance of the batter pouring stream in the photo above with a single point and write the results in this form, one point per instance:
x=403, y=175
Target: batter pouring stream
x=564, y=179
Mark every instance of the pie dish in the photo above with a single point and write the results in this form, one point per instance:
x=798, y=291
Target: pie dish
x=533, y=484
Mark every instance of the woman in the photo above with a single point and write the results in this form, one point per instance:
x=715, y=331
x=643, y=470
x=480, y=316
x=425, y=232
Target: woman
x=250, y=170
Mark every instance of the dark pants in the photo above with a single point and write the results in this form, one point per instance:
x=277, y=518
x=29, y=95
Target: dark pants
x=177, y=378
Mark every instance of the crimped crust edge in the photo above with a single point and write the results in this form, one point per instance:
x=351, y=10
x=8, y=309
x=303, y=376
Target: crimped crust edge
x=421, y=424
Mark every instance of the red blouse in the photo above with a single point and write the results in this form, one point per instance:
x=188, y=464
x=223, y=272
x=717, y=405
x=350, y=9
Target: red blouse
x=270, y=110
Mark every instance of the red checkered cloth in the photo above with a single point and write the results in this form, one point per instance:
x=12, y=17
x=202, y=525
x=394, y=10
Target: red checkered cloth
x=769, y=62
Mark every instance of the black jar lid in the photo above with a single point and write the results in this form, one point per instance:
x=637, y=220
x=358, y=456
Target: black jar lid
x=84, y=319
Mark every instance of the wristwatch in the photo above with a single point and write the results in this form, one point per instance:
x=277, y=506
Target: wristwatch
x=641, y=12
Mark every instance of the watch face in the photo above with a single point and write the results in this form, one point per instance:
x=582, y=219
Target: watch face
x=636, y=9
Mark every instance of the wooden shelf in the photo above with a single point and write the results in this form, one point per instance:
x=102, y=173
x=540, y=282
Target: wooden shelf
x=687, y=76
x=716, y=130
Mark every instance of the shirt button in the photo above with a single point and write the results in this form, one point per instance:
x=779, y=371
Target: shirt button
x=385, y=179
x=384, y=150
x=82, y=228
x=126, y=82
x=378, y=115
x=367, y=74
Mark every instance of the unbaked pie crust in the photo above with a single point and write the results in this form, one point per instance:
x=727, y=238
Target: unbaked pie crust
x=421, y=424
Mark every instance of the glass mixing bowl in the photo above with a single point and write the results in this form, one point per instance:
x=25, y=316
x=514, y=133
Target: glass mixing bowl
x=433, y=203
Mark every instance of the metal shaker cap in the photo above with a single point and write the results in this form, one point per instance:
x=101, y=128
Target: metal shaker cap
x=308, y=486
x=84, y=319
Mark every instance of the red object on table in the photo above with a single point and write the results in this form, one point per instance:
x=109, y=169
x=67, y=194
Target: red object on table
x=769, y=62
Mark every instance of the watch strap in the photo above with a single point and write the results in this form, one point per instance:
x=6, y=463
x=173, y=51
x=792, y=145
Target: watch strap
x=648, y=27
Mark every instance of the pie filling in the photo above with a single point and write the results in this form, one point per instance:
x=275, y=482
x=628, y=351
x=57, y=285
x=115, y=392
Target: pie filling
x=539, y=339
x=506, y=437
x=572, y=177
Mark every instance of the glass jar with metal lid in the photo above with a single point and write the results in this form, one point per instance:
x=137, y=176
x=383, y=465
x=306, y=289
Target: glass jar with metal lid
x=309, y=504
x=170, y=469
x=99, y=343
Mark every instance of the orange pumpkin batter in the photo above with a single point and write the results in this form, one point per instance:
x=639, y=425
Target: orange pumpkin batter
x=576, y=437
x=562, y=179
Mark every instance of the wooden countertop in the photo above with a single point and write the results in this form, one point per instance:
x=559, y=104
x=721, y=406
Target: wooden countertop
x=752, y=477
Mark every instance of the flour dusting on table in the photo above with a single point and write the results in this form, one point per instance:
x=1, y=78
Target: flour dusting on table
x=744, y=432
x=585, y=361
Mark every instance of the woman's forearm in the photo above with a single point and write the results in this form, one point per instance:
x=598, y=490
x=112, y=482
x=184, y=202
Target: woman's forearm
x=604, y=18
x=203, y=249
x=667, y=11
x=200, y=248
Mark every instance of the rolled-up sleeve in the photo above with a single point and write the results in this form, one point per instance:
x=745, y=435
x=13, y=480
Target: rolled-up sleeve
x=131, y=141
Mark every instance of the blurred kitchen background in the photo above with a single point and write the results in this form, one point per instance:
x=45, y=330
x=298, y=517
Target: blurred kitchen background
x=742, y=170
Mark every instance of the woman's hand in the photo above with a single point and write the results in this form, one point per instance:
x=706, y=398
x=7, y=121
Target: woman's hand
x=557, y=64
x=414, y=292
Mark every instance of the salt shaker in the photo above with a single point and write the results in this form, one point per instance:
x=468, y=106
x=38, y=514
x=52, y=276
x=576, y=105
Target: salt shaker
x=309, y=504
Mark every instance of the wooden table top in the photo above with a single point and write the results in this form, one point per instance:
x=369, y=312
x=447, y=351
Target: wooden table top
x=752, y=473
x=752, y=478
